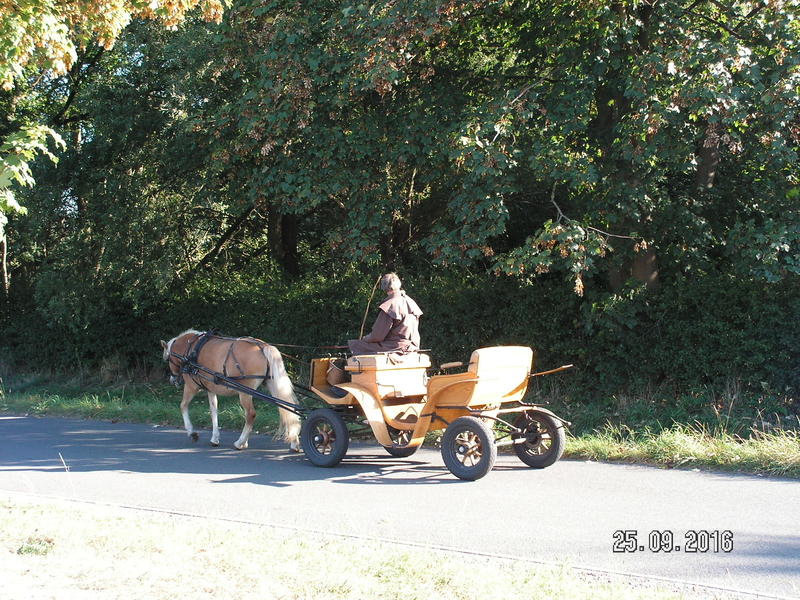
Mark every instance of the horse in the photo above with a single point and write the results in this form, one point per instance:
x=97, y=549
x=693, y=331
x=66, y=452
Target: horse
x=248, y=361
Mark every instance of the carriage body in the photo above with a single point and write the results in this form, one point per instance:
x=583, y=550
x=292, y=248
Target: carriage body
x=401, y=404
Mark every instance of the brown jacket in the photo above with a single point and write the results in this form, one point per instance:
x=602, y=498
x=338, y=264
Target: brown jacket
x=395, y=330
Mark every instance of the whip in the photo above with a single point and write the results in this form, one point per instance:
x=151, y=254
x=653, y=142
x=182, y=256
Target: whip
x=366, y=312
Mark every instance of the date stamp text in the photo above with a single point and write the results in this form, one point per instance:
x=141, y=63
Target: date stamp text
x=693, y=541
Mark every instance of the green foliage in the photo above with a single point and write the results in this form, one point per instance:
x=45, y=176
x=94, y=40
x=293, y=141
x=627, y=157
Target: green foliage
x=49, y=34
x=16, y=152
x=685, y=446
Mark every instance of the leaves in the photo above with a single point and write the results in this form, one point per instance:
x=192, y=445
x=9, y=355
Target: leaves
x=403, y=132
x=49, y=34
x=16, y=152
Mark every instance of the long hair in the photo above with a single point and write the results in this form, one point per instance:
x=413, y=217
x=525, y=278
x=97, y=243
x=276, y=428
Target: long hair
x=280, y=386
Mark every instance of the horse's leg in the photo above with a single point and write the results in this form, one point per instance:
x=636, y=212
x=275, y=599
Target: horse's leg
x=213, y=407
x=188, y=394
x=246, y=400
x=290, y=423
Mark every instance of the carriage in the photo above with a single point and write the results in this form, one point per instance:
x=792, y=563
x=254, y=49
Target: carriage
x=478, y=408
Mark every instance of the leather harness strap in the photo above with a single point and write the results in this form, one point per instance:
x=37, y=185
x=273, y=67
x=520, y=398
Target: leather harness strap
x=191, y=360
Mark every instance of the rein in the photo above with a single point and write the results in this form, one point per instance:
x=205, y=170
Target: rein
x=310, y=347
x=304, y=347
x=198, y=371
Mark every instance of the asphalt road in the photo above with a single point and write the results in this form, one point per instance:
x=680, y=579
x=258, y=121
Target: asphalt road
x=568, y=514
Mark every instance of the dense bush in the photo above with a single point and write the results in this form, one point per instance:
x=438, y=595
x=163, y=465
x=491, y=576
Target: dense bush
x=707, y=333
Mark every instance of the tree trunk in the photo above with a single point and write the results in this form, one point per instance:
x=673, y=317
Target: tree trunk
x=612, y=106
x=6, y=279
x=282, y=233
x=643, y=267
x=708, y=158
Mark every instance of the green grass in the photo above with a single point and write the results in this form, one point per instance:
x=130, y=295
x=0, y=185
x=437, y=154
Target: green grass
x=36, y=545
x=132, y=403
x=726, y=427
x=73, y=550
x=771, y=453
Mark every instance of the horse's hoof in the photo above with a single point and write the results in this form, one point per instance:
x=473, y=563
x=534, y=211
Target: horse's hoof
x=215, y=444
x=238, y=447
x=194, y=436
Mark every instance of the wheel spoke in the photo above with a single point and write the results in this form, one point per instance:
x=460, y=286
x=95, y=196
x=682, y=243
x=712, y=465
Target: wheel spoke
x=327, y=438
x=468, y=449
x=324, y=437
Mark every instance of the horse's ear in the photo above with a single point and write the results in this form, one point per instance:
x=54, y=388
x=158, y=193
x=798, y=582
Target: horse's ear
x=163, y=344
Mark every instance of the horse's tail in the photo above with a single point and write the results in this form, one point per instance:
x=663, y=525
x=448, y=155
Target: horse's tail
x=280, y=386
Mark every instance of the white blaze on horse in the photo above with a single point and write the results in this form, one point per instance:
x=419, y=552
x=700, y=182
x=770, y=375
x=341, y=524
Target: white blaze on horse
x=248, y=361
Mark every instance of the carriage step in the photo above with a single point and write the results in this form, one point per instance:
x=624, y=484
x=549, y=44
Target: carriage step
x=336, y=392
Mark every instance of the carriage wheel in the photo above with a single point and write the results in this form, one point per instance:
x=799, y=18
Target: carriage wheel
x=468, y=448
x=544, y=439
x=400, y=437
x=324, y=437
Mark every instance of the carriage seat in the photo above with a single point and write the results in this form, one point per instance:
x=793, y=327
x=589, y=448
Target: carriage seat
x=502, y=373
x=388, y=360
x=485, y=361
x=391, y=375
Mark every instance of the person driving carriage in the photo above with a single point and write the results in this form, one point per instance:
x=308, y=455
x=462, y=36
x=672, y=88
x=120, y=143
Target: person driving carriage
x=396, y=328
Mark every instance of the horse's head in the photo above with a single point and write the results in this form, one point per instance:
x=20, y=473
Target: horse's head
x=173, y=362
x=173, y=350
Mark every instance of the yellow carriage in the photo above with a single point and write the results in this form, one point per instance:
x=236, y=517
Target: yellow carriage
x=401, y=404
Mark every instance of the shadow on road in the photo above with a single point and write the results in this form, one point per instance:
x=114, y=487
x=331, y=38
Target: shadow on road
x=55, y=445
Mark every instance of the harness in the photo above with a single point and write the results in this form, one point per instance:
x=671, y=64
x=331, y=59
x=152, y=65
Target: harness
x=189, y=363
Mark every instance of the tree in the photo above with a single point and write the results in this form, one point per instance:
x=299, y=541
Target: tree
x=580, y=140
x=642, y=118
x=49, y=34
x=590, y=137
x=45, y=38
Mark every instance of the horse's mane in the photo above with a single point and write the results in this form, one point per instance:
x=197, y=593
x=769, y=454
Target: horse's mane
x=185, y=332
x=168, y=349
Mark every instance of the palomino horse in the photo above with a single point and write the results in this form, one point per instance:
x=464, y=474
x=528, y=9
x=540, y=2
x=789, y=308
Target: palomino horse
x=248, y=361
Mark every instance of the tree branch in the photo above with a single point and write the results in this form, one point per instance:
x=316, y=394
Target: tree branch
x=752, y=14
x=717, y=24
x=77, y=75
x=223, y=240
x=562, y=216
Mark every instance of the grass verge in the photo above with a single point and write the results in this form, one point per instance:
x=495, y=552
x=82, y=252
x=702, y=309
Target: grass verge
x=58, y=550
x=771, y=453
x=133, y=403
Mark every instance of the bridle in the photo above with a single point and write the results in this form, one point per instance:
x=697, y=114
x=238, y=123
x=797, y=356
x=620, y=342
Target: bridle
x=176, y=363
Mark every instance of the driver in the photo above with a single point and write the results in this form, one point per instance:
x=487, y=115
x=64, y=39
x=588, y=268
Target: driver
x=396, y=328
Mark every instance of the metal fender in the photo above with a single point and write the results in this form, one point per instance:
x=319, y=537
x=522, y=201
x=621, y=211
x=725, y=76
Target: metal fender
x=372, y=411
x=550, y=413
